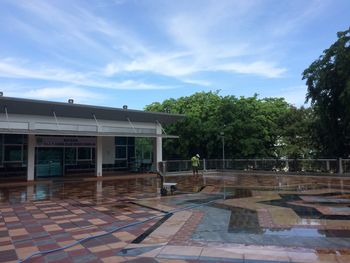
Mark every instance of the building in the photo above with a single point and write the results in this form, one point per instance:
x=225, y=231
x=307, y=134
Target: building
x=52, y=139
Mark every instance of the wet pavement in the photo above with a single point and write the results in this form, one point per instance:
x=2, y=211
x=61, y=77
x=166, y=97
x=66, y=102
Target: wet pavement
x=235, y=218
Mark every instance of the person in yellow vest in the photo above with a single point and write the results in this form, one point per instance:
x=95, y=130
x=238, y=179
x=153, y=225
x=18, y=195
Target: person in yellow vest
x=195, y=164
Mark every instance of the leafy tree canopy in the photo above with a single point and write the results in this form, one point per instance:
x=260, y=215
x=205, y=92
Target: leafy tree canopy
x=328, y=81
x=252, y=127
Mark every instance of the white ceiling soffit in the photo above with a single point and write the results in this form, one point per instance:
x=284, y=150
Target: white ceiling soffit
x=82, y=133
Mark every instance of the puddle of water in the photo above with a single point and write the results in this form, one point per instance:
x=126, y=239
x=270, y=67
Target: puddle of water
x=129, y=188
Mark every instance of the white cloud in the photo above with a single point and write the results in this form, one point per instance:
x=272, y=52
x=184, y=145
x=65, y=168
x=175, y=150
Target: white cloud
x=217, y=36
x=73, y=27
x=294, y=95
x=197, y=82
x=10, y=69
x=198, y=47
x=261, y=68
x=80, y=95
x=293, y=21
x=136, y=85
x=183, y=66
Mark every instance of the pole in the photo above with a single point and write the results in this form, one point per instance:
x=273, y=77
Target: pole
x=223, y=152
x=223, y=161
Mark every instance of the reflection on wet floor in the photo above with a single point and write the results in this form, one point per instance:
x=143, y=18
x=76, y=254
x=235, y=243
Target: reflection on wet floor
x=92, y=190
x=258, y=210
x=311, y=212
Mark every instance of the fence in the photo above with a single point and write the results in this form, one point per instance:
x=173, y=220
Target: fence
x=332, y=166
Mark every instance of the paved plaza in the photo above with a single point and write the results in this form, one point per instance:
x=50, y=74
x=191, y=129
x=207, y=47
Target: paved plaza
x=234, y=218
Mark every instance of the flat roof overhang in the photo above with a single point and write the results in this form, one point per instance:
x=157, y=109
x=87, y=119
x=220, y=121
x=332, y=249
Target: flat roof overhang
x=72, y=110
x=82, y=133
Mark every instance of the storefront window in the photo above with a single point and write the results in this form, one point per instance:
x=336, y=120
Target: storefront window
x=120, y=140
x=13, y=153
x=120, y=152
x=93, y=154
x=121, y=163
x=1, y=150
x=131, y=141
x=131, y=151
x=70, y=155
x=25, y=153
x=84, y=153
x=14, y=139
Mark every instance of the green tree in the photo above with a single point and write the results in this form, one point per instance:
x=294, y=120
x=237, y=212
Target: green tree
x=328, y=81
x=195, y=130
x=253, y=127
x=294, y=139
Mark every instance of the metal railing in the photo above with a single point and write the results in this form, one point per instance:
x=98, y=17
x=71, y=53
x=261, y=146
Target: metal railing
x=320, y=166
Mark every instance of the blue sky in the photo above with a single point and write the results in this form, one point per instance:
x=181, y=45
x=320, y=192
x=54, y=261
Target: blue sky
x=136, y=52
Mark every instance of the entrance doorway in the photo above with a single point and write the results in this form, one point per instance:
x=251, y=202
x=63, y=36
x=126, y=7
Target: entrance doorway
x=49, y=162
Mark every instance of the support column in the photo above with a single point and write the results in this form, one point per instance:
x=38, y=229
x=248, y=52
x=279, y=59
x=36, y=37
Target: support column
x=31, y=157
x=327, y=166
x=158, y=146
x=340, y=165
x=99, y=154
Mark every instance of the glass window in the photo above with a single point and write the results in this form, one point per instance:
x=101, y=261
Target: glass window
x=120, y=163
x=84, y=153
x=13, y=153
x=70, y=155
x=25, y=153
x=131, y=151
x=49, y=155
x=93, y=157
x=120, y=140
x=13, y=139
x=131, y=140
x=120, y=152
x=1, y=136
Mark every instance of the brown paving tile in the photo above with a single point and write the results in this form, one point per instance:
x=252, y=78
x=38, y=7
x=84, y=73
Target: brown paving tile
x=78, y=252
x=102, y=212
x=26, y=251
x=99, y=248
x=17, y=232
x=5, y=239
x=106, y=253
x=11, y=219
x=39, y=216
x=97, y=221
x=124, y=236
x=8, y=255
x=53, y=227
x=116, y=245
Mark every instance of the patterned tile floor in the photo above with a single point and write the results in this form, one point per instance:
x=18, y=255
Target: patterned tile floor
x=263, y=219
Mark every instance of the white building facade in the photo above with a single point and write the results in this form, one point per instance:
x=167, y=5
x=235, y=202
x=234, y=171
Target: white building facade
x=51, y=139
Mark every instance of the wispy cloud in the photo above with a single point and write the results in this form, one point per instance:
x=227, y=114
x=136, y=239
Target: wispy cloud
x=127, y=45
x=198, y=47
x=294, y=95
x=10, y=69
x=81, y=95
x=261, y=68
x=198, y=82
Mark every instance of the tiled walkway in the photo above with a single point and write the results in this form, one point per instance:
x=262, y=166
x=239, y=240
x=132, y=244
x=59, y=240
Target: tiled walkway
x=263, y=219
